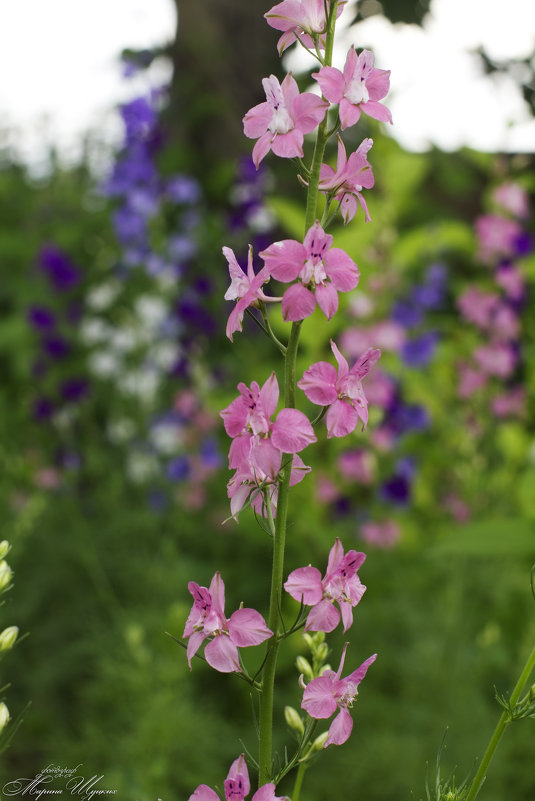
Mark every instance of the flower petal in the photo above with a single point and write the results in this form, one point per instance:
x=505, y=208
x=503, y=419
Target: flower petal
x=304, y=584
x=204, y=793
x=292, y=431
x=341, y=269
x=318, y=699
x=340, y=729
x=341, y=419
x=332, y=83
x=298, y=303
x=284, y=260
x=319, y=383
x=323, y=617
x=288, y=145
x=327, y=298
x=247, y=627
x=222, y=654
x=356, y=677
x=217, y=591
x=238, y=770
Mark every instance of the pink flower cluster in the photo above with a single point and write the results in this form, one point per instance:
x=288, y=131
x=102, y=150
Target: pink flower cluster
x=495, y=312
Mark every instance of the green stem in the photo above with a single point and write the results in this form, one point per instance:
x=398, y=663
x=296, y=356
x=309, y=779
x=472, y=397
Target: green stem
x=277, y=571
x=298, y=781
x=500, y=728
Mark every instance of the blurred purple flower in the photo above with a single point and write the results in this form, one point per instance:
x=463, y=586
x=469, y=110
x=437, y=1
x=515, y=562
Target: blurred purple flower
x=183, y=189
x=74, y=389
x=139, y=118
x=56, y=347
x=43, y=409
x=406, y=314
x=58, y=267
x=178, y=469
x=41, y=318
x=419, y=351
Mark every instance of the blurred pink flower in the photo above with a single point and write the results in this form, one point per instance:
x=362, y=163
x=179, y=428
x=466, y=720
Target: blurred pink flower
x=383, y=534
x=351, y=176
x=322, y=271
x=324, y=695
x=207, y=620
x=341, y=390
x=477, y=306
x=340, y=585
x=513, y=198
x=280, y=123
x=496, y=236
x=358, y=88
x=496, y=359
x=357, y=465
x=510, y=404
x=511, y=280
x=470, y=380
x=300, y=19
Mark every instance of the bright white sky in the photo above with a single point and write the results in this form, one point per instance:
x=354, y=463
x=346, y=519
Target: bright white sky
x=72, y=82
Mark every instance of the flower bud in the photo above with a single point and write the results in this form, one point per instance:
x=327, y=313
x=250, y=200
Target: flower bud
x=319, y=742
x=6, y=575
x=322, y=652
x=304, y=667
x=8, y=638
x=4, y=548
x=4, y=716
x=532, y=693
x=293, y=719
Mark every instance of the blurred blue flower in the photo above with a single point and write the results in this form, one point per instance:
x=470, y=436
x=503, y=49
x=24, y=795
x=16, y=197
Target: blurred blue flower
x=58, y=267
x=419, y=351
x=41, y=318
x=178, y=469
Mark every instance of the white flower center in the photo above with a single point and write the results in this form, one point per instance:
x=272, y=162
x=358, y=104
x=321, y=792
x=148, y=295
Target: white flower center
x=357, y=92
x=281, y=122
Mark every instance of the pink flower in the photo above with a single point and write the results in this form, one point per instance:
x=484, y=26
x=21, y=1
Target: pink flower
x=322, y=271
x=340, y=585
x=245, y=288
x=358, y=88
x=357, y=465
x=248, y=421
x=346, y=184
x=496, y=359
x=324, y=695
x=280, y=123
x=300, y=19
x=470, y=380
x=477, y=306
x=341, y=390
x=258, y=471
x=510, y=404
x=383, y=535
x=207, y=620
x=512, y=198
x=497, y=236
x=237, y=786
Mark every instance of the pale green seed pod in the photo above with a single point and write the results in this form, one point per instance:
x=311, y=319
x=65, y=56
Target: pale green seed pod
x=4, y=548
x=6, y=574
x=319, y=742
x=304, y=667
x=4, y=716
x=8, y=638
x=293, y=719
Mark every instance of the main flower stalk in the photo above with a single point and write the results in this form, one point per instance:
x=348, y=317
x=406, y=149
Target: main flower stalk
x=290, y=382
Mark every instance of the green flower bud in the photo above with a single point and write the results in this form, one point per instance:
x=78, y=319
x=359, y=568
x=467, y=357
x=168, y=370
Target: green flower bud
x=293, y=719
x=309, y=641
x=8, y=638
x=4, y=548
x=304, y=667
x=532, y=693
x=4, y=716
x=322, y=652
x=6, y=574
x=319, y=742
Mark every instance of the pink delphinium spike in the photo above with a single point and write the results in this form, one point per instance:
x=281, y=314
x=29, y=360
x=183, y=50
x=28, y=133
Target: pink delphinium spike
x=324, y=695
x=279, y=124
x=340, y=585
x=358, y=88
x=341, y=390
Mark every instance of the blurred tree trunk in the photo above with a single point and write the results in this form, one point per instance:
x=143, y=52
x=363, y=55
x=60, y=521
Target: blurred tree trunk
x=221, y=52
